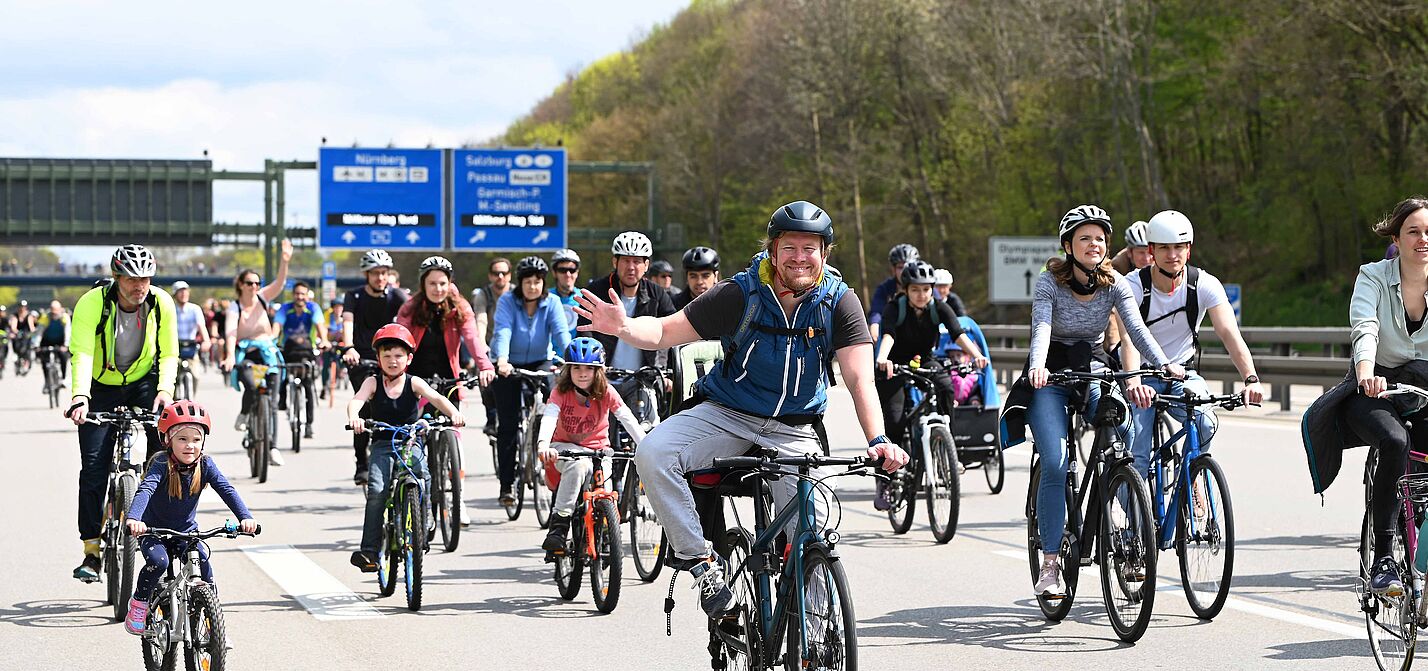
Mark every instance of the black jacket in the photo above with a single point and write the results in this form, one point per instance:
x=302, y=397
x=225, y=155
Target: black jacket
x=651, y=300
x=1324, y=432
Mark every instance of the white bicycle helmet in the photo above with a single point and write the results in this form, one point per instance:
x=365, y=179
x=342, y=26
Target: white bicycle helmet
x=376, y=258
x=631, y=243
x=1084, y=214
x=1170, y=227
x=1135, y=235
x=565, y=255
x=942, y=276
x=434, y=263
x=133, y=261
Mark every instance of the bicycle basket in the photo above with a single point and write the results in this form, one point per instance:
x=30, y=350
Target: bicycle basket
x=1414, y=487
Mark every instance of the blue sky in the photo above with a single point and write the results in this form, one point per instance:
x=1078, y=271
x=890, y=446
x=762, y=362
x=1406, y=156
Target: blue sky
x=256, y=80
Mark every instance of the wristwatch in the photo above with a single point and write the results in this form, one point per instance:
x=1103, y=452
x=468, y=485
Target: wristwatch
x=1253, y=379
x=881, y=438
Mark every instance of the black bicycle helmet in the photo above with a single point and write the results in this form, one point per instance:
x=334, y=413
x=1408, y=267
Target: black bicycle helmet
x=660, y=267
x=902, y=253
x=801, y=216
x=917, y=272
x=531, y=265
x=701, y=258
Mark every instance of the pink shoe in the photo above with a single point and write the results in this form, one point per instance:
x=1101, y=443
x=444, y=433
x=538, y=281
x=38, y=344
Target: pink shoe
x=138, y=617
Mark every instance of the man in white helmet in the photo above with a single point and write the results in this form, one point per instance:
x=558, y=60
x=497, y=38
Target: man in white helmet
x=1174, y=299
x=1136, y=254
x=565, y=263
x=641, y=298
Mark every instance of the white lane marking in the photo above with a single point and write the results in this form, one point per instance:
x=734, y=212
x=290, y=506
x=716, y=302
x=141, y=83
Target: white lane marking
x=1245, y=606
x=321, y=594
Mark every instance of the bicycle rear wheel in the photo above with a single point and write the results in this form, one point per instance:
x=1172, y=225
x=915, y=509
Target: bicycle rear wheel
x=1054, y=608
x=413, y=531
x=647, y=539
x=736, y=638
x=1127, y=553
x=1392, y=623
x=995, y=470
x=944, y=492
x=608, y=563
x=1205, y=539
x=160, y=652
x=208, y=650
x=827, y=638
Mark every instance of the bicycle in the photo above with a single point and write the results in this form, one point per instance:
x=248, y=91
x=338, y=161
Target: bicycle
x=186, y=385
x=528, y=473
x=447, y=470
x=795, y=600
x=1110, y=510
x=262, y=433
x=185, y=610
x=297, y=376
x=1198, y=521
x=594, y=536
x=24, y=358
x=929, y=439
x=647, y=540
x=54, y=375
x=404, y=523
x=120, y=549
x=1393, y=623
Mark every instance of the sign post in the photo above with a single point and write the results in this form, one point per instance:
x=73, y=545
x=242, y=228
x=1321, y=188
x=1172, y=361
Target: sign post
x=390, y=198
x=1014, y=264
x=1234, y=292
x=509, y=199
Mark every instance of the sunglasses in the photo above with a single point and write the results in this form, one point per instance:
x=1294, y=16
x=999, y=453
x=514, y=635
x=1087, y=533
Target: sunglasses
x=500, y=273
x=567, y=269
x=251, y=283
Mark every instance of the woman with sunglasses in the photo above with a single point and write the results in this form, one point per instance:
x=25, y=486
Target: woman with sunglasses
x=250, y=333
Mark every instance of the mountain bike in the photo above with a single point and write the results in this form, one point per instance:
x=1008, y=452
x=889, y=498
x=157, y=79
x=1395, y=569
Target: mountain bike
x=262, y=433
x=444, y=460
x=594, y=539
x=404, y=521
x=120, y=550
x=528, y=469
x=184, y=610
x=934, y=466
x=299, y=424
x=794, y=607
x=186, y=384
x=1110, y=510
x=54, y=375
x=1197, y=518
x=647, y=541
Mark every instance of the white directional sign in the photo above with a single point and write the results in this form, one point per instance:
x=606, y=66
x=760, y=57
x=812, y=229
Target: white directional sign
x=1014, y=264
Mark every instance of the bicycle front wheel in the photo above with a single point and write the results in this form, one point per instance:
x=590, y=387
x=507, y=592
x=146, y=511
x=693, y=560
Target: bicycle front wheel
x=297, y=400
x=1127, y=553
x=944, y=492
x=126, y=547
x=446, y=488
x=263, y=435
x=608, y=562
x=827, y=636
x=1392, y=623
x=389, y=558
x=207, y=649
x=902, y=493
x=518, y=486
x=413, y=543
x=647, y=539
x=1205, y=539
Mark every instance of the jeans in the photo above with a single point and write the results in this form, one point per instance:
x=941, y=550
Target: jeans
x=1144, y=434
x=573, y=474
x=382, y=465
x=156, y=561
x=356, y=376
x=512, y=397
x=1047, y=415
x=689, y=442
x=97, y=444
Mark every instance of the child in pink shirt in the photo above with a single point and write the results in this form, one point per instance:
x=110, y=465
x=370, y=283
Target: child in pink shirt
x=578, y=415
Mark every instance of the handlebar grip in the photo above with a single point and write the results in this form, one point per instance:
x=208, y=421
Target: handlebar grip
x=737, y=462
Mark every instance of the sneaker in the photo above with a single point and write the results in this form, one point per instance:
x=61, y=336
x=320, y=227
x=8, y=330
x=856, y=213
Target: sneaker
x=463, y=515
x=1385, y=582
x=555, y=539
x=240, y=424
x=274, y=457
x=507, y=500
x=359, y=478
x=365, y=561
x=138, y=617
x=1048, y=583
x=715, y=597
x=88, y=570
x=307, y=431
x=883, y=499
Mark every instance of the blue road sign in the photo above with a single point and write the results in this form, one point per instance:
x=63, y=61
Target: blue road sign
x=1234, y=293
x=329, y=270
x=388, y=198
x=509, y=199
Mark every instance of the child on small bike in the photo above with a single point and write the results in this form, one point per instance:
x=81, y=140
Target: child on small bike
x=395, y=398
x=168, y=499
x=578, y=415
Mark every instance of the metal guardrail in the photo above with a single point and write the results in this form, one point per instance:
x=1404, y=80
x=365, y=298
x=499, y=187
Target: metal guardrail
x=1276, y=350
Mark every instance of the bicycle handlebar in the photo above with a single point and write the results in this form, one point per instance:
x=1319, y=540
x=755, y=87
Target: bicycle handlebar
x=644, y=373
x=230, y=531
x=374, y=425
x=122, y=416
x=1402, y=389
x=1067, y=376
x=587, y=453
x=1226, y=401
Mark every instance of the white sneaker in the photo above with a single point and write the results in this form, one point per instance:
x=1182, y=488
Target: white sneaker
x=241, y=423
x=464, y=516
x=1049, y=582
x=274, y=457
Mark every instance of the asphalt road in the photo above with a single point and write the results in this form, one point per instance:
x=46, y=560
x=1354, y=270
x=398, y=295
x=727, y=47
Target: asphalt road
x=293, y=602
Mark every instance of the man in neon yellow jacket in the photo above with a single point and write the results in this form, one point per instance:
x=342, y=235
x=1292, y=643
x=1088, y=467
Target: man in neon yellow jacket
x=124, y=346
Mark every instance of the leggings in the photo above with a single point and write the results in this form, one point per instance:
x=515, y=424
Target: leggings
x=156, y=561
x=1377, y=423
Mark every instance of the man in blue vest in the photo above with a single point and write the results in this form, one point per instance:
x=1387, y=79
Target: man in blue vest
x=796, y=316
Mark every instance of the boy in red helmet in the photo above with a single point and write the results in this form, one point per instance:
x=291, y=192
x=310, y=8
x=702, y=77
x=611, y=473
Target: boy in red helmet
x=168, y=499
x=396, y=400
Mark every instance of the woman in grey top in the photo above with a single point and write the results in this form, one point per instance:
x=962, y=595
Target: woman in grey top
x=1070, y=311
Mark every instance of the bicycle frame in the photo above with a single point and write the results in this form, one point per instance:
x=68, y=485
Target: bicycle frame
x=595, y=494
x=174, y=589
x=1166, y=518
x=923, y=394
x=1088, y=496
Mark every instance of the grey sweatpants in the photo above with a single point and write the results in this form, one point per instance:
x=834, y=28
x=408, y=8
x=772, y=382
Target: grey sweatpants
x=573, y=474
x=689, y=441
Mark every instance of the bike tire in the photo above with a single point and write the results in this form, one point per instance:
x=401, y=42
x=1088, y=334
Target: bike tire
x=542, y=499
x=113, y=538
x=944, y=492
x=568, y=566
x=608, y=563
x=297, y=402
x=902, y=487
x=438, y=506
x=158, y=655
x=209, y=649
x=1055, y=609
x=1212, y=542
x=1392, y=626
x=413, y=531
x=736, y=641
x=126, y=547
x=518, y=485
x=647, y=539
x=446, y=498
x=994, y=469
x=830, y=626
x=262, y=430
x=388, y=561
x=1127, y=553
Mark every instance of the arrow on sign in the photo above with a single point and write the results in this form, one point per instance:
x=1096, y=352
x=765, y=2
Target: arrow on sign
x=348, y=237
x=1028, y=281
x=412, y=237
x=480, y=235
x=540, y=237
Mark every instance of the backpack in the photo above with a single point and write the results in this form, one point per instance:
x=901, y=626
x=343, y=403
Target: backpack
x=1191, y=308
x=902, y=311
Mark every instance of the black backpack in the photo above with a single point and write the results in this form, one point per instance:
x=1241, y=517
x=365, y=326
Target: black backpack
x=1191, y=308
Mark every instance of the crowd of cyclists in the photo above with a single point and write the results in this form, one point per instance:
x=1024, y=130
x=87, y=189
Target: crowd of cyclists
x=781, y=321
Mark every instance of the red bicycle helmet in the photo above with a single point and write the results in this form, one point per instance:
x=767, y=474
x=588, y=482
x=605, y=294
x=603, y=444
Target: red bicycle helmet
x=394, y=332
x=184, y=412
